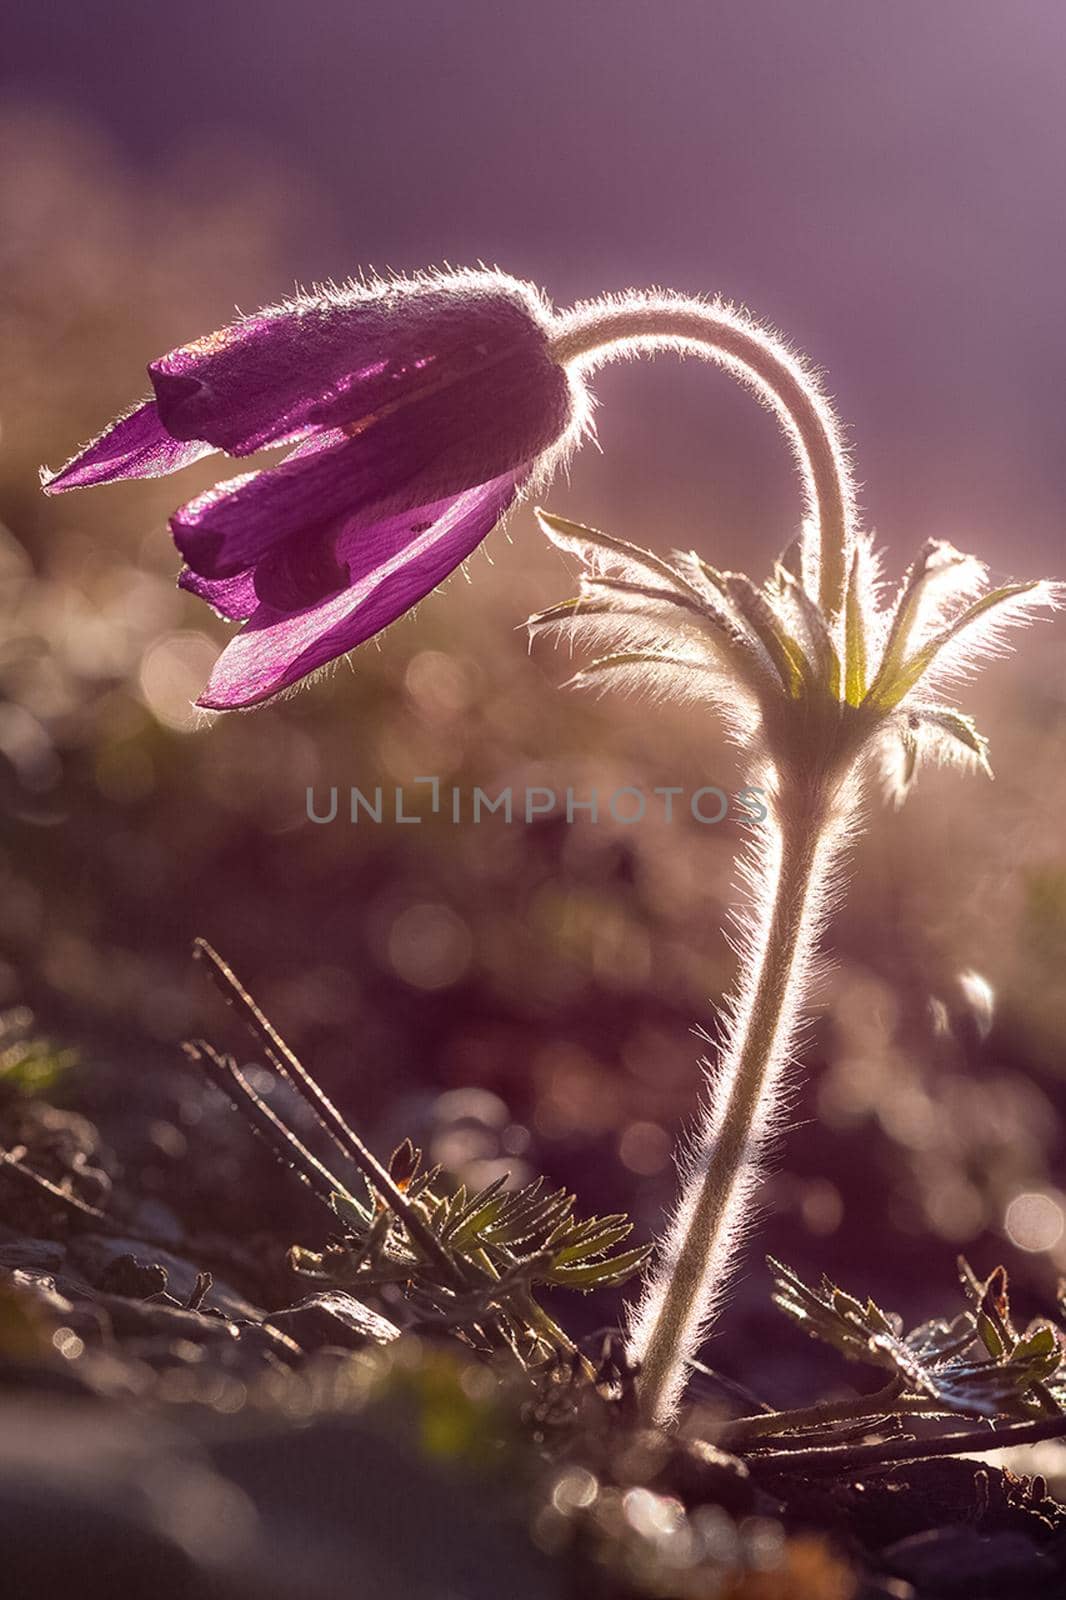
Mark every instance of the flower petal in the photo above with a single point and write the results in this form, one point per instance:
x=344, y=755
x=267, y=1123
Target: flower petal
x=307, y=568
x=329, y=359
x=432, y=447
x=233, y=598
x=275, y=648
x=136, y=446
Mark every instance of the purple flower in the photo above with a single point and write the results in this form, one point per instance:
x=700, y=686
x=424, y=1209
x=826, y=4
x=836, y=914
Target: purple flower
x=415, y=411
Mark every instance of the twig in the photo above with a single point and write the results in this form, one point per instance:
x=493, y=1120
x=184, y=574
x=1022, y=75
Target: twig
x=874, y=1429
x=263, y=1119
x=846, y=1458
x=281, y=1055
x=200, y=1290
x=344, y=1136
x=100, y=1219
x=874, y=1406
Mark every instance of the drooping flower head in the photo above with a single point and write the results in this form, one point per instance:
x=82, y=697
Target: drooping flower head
x=415, y=411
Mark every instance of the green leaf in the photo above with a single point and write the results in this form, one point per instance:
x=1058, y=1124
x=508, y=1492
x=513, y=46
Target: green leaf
x=1038, y=1342
x=788, y=658
x=597, y=1244
x=955, y=725
x=902, y=679
x=349, y=1211
x=404, y=1164
x=932, y=1361
x=634, y=658
x=601, y=1274
x=581, y=540
x=991, y=1300
x=935, y=558
x=481, y=1209
x=730, y=641
x=562, y=611
x=823, y=652
x=854, y=639
x=860, y=1332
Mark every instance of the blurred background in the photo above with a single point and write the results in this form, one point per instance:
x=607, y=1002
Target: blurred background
x=882, y=183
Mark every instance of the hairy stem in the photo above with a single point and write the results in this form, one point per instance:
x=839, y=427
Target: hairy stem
x=605, y=329
x=689, y=1278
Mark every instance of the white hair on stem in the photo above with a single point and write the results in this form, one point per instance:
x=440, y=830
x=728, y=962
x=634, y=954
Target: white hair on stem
x=789, y=872
x=642, y=322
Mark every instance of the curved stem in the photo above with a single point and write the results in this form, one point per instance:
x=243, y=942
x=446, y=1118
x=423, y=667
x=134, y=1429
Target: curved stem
x=605, y=329
x=690, y=1275
x=687, y=1282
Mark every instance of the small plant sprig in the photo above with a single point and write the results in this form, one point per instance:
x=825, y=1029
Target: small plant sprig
x=467, y=1262
x=973, y=1365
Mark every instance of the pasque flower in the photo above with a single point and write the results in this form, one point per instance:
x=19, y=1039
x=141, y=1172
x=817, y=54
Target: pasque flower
x=415, y=411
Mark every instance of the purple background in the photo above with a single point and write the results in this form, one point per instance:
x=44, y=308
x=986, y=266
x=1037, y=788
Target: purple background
x=883, y=181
